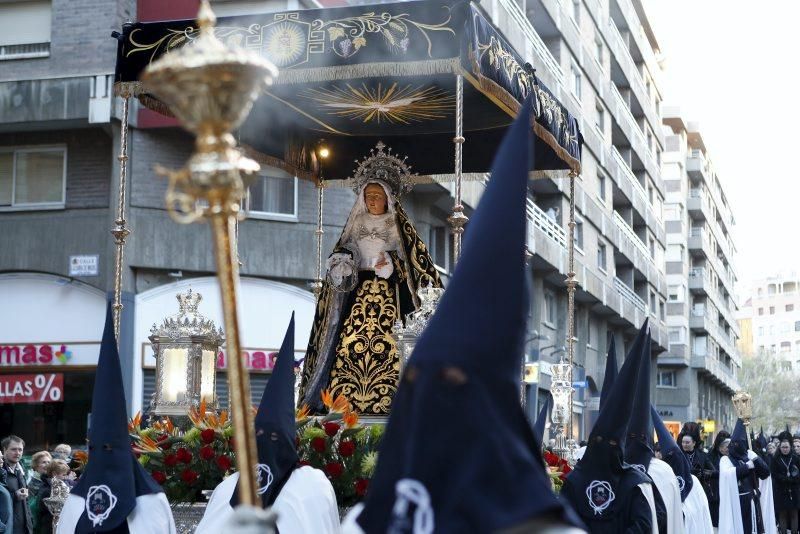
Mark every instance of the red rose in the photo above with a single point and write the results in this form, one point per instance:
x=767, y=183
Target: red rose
x=551, y=459
x=319, y=444
x=347, y=448
x=334, y=469
x=189, y=476
x=171, y=460
x=361, y=485
x=184, y=455
x=163, y=441
x=208, y=435
x=331, y=428
x=223, y=462
x=159, y=477
x=206, y=452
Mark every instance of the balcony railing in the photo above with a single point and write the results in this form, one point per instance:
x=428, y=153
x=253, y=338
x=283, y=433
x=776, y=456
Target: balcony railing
x=626, y=111
x=635, y=77
x=547, y=225
x=629, y=294
x=628, y=232
x=516, y=15
x=24, y=51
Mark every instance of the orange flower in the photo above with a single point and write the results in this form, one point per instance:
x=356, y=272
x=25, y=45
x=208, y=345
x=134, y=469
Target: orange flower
x=135, y=424
x=340, y=405
x=302, y=413
x=350, y=419
x=327, y=398
x=146, y=444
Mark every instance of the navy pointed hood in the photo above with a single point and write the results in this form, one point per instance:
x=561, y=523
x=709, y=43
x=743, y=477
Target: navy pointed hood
x=598, y=485
x=541, y=420
x=637, y=444
x=275, y=426
x=466, y=364
x=738, y=447
x=673, y=455
x=113, y=478
x=610, y=375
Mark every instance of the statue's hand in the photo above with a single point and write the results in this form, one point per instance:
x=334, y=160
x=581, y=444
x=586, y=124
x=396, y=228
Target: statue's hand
x=384, y=267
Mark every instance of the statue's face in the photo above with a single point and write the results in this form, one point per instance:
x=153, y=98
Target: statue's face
x=375, y=198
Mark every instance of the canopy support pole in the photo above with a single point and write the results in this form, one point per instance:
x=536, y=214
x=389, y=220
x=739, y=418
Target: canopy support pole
x=571, y=284
x=458, y=220
x=316, y=285
x=120, y=230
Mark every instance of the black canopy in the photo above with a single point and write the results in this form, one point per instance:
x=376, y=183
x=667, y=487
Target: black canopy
x=354, y=75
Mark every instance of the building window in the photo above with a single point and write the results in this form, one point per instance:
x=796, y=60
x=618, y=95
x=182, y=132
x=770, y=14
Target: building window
x=666, y=379
x=439, y=246
x=789, y=307
x=652, y=247
x=273, y=194
x=575, y=73
x=601, y=256
x=550, y=308
x=675, y=293
x=675, y=252
x=786, y=346
x=33, y=177
x=786, y=366
x=576, y=11
x=25, y=29
x=760, y=330
x=772, y=310
x=579, y=233
x=676, y=335
x=761, y=311
x=598, y=50
x=600, y=118
x=601, y=180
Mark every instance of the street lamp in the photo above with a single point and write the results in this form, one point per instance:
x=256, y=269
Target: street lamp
x=186, y=346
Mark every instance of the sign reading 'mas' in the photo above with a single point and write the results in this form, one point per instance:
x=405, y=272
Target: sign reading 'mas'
x=31, y=354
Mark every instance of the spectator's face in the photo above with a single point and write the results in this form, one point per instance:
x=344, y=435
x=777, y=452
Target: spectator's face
x=1, y=459
x=687, y=443
x=797, y=446
x=41, y=467
x=63, y=450
x=14, y=452
x=770, y=448
x=785, y=447
x=723, y=448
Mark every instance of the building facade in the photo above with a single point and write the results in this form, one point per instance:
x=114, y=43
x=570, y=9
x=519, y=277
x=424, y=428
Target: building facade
x=772, y=310
x=59, y=142
x=698, y=374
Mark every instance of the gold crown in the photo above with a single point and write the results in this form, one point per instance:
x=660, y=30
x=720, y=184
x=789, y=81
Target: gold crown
x=384, y=166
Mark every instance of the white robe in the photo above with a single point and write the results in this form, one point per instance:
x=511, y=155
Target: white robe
x=667, y=485
x=152, y=515
x=647, y=491
x=696, y=514
x=730, y=511
x=306, y=503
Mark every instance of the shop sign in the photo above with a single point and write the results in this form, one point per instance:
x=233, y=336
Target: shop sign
x=31, y=389
x=32, y=354
x=255, y=360
x=85, y=265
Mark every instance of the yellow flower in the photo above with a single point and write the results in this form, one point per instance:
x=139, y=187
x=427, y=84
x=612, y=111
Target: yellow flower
x=350, y=419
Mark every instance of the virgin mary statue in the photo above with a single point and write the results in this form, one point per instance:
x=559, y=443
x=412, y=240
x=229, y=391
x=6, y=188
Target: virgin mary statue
x=372, y=279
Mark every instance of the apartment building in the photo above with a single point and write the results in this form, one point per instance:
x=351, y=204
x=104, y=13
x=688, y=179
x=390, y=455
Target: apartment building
x=698, y=374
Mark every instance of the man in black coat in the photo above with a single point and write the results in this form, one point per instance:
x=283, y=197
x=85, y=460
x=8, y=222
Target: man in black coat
x=702, y=466
x=15, y=483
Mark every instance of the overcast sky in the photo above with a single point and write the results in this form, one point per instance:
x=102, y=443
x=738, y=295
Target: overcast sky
x=732, y=66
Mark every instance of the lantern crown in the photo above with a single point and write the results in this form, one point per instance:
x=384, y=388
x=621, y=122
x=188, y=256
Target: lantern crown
x=188, y=322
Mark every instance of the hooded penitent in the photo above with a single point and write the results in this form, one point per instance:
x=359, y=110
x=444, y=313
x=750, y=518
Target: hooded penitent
x=611, y=372
x=541, y=419
x=458, y=454
x=738, y=448
x=601, y=482
x=672, y=454
x=113, y=478
x=637, y=445
x=275, y=426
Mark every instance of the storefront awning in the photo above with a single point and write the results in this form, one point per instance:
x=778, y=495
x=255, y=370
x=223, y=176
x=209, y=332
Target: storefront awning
x=354, y=75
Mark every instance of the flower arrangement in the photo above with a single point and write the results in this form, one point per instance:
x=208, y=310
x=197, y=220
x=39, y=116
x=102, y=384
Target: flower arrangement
x=186, y=461
x=336, y=444
x=558, y=469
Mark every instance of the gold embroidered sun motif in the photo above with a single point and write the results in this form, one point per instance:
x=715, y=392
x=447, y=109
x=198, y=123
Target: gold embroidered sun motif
x=393, y=104
x=284, y=44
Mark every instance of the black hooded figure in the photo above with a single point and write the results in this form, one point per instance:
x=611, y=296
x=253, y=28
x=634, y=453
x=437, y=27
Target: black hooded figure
x=720, y=445
x=702, y=468
x=114, y=494
x=610, y=495
x=440, y=467
x=739, y=475
x=307, y=500
x=785, y=471
x=671, y=454
x=610, y=374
